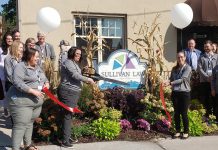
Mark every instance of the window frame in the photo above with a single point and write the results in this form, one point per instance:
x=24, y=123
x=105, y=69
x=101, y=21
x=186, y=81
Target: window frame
x=99, y=16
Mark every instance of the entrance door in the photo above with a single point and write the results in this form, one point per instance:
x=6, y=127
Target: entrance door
x=199, y=33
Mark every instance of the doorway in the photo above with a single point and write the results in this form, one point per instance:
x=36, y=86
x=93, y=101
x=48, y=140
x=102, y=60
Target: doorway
x=199, y=33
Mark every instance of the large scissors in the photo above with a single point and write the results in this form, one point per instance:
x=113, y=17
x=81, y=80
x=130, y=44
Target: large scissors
x=96, y=77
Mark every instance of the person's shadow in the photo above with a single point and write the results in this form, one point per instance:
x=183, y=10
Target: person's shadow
x=5, y=132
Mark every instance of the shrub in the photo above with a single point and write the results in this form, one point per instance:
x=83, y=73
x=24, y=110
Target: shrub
x=195, y=123
x=106, y=129
x=127, y=101
x=81, y=130
x=143, y=124
x=46, y=127
x=154, y=108
x=86, y=96
x=125, y=125
x=210, y=126
x=92, y=100
x=110, y=113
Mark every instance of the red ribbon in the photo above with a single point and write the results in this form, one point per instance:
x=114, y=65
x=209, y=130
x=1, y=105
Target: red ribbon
x=50, y=95
x=164, y=104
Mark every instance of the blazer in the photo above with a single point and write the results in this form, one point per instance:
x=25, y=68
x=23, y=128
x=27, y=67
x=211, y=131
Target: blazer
x=48, y=53
x=203, y=66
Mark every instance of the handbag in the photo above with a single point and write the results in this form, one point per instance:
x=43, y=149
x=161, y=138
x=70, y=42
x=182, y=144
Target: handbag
x=2, y=94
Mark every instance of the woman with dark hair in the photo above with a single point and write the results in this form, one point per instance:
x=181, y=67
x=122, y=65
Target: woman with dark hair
x=70, y=88
x=16, y=35
x=6, y=43
x=180, y=82
x=4, y=50
x=25, y=98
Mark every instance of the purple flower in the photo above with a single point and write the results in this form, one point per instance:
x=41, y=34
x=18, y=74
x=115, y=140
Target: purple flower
x=143, y=124
x=125, y=125
x=163, y=125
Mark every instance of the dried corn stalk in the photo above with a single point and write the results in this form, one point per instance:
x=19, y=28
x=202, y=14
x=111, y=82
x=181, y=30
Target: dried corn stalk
x=150, y=46
x=52, y=76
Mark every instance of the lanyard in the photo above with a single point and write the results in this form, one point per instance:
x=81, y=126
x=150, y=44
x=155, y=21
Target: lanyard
x=37, y=74
x=180, y=71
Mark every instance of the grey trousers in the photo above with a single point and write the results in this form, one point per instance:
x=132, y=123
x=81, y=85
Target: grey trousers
x=70, y=98
x=23, y=110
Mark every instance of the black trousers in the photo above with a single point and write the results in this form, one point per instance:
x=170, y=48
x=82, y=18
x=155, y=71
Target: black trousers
x=180, y=103
x=70, y=98
x=205, y=97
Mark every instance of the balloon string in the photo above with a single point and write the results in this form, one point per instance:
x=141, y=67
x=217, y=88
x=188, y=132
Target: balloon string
x=164, y=104
x=52, y=97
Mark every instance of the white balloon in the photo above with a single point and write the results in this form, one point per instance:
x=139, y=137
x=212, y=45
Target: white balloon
x=182, y=15
x=48, y=19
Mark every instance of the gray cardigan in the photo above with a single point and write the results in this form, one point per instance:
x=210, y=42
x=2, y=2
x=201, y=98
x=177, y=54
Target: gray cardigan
x=9, y=65
x=203, y=66
x=25, y=77
x=71, y=76
x=180, y=79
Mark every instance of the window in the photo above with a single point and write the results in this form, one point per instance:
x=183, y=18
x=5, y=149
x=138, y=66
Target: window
x=108, y=29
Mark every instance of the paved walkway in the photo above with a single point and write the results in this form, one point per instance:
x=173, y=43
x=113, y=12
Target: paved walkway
x=193, y=143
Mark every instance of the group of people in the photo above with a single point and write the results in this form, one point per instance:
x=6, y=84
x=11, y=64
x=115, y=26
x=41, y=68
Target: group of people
x=23, y=78
x=194, y=68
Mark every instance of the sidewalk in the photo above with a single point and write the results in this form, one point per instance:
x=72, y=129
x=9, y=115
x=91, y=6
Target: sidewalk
x=193, y=143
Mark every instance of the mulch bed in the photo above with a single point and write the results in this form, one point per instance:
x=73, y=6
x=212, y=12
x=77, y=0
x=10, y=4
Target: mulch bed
x=130, y=135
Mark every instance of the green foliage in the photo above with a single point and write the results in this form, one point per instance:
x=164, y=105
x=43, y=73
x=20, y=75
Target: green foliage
x=195, y=105
x=211, y=125
x=81, y=130
x=195, y=123
x=45, y=126
x=91, y=100
x=106, y=129
x=10, y=15
x=86, y=96
x=154, y=109
x=110, y=113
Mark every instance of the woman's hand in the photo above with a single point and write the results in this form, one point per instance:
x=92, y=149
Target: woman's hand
x=46, y=84
x=166, y=83
x=36, y=93
x=85, y=69
x=91, y=81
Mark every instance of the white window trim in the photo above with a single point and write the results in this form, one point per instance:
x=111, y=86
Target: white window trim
x=99, y=26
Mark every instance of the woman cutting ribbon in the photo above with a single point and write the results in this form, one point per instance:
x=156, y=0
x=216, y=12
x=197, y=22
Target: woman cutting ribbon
x=70, y=88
